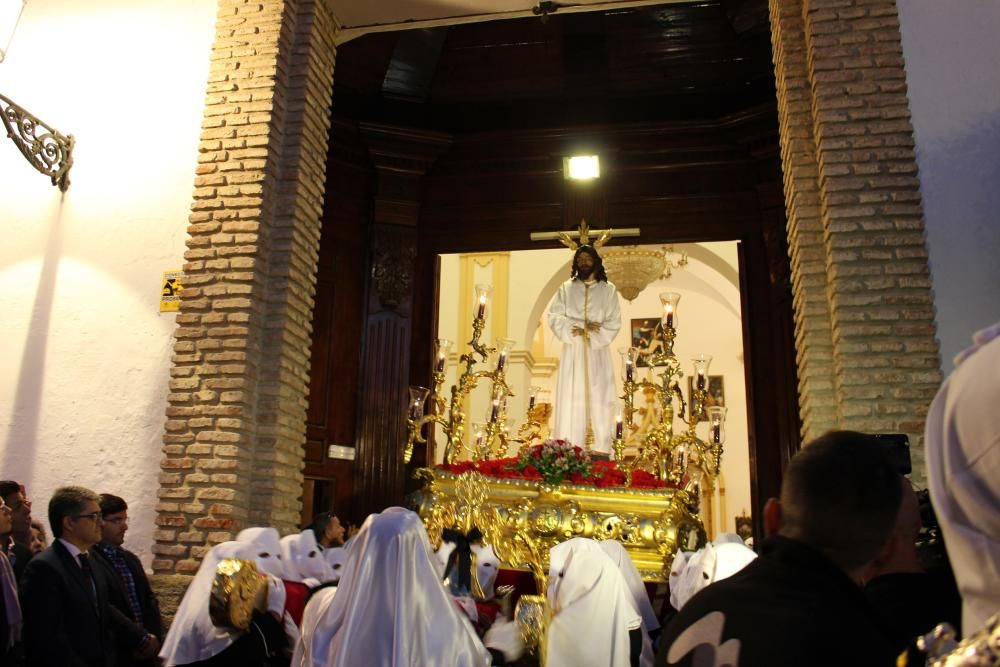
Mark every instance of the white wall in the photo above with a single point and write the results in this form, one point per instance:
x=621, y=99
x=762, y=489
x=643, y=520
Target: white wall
x=84, y=366
x=953, y=75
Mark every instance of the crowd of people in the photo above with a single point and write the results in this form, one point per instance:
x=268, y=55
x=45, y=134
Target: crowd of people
x=838, y=581
x=83, y=599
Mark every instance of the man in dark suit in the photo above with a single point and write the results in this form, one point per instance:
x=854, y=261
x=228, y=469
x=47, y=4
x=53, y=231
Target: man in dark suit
x=130, y=590
x=67, y=619
x=10, y=608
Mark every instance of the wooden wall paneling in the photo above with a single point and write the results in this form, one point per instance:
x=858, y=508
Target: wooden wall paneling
x=337, y=324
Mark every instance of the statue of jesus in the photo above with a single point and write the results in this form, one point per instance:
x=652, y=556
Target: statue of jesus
x=586, y=317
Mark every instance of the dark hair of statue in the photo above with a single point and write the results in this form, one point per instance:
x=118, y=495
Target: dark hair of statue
x=840, y=495
x=598, y=273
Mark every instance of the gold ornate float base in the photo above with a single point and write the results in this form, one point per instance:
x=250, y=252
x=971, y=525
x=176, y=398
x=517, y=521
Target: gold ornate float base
x=523, y=519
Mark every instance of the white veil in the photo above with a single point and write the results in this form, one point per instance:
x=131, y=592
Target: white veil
x=391, y=608
x=593, y=609
x=617, y=553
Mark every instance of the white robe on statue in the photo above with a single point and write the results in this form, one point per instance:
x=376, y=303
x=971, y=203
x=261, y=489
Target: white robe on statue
x=576, y=303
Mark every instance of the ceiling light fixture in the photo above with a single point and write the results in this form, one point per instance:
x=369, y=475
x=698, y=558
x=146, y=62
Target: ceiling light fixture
x=582, y=167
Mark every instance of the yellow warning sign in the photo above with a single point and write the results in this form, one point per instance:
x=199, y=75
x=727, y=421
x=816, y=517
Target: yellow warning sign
x=170, y=291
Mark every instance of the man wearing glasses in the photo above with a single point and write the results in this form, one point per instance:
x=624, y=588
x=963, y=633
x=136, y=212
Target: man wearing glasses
x=67, y=619
x=131, y=591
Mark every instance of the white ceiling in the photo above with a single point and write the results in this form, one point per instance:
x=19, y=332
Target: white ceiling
x=357, y=17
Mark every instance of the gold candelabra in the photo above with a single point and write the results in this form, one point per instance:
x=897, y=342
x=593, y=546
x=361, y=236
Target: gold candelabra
x=671, y=456
x=492, y=438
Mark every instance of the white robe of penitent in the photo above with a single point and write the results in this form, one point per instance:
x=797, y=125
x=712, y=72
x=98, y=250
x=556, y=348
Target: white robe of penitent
x=617, y=553
x=963, y=474
x=593, y=610
x=390, y=607
x=193, y=636
x=575, y=304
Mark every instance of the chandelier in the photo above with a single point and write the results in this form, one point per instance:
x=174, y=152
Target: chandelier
x=632, y=268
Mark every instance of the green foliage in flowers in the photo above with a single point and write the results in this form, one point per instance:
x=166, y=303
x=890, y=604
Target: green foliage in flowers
x=556, y=461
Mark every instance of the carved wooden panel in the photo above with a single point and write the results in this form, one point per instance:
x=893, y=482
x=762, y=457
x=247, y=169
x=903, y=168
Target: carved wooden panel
x=378, y=468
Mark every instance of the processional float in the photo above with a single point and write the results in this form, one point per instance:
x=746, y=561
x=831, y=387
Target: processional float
x=648, y=502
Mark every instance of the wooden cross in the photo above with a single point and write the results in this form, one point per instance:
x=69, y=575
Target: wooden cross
x=583, y=235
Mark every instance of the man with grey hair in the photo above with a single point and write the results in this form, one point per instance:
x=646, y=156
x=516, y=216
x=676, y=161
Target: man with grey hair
x=67, y=619
x=801, y=602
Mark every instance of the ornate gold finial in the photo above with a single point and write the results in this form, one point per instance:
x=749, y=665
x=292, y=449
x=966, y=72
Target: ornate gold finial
x=584, y=237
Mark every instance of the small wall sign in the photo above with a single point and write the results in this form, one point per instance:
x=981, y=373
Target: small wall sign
x=170, y=291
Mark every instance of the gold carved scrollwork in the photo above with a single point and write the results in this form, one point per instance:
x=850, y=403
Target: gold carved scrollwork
x=523, y=520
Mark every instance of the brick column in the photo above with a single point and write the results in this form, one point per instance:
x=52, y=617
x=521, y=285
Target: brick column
x=236, y=410
x=813, y=328
x=885, y=356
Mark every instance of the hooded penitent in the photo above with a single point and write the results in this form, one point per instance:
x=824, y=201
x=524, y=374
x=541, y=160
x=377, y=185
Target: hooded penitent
x=390, y=607
x=303, y=559
x=593, y=609
x=193, y=636
x=267, y=549
x=963, y=474
x=691, y=572
x=617, y=553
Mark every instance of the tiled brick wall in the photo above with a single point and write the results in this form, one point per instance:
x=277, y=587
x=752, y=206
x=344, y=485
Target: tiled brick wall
x=236, y=409
x=863, y=305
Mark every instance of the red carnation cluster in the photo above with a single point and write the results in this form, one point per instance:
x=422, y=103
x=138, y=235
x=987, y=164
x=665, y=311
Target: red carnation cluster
x=601, y=473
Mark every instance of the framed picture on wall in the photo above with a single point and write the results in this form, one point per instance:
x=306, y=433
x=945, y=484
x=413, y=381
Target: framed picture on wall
x=647, y=338
x=716, y=394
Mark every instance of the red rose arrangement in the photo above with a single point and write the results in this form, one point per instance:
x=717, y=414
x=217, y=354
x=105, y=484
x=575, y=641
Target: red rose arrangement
x=555, y=462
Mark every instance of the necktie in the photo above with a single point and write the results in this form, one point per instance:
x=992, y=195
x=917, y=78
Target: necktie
x=88, y=572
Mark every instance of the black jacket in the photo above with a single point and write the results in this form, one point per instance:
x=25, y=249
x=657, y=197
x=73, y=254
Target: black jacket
x=129, y=632
x=19, y=556
x=63, y=626
x=788, y=608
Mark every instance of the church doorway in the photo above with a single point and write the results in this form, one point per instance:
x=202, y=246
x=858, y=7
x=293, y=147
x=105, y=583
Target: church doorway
x=450, y=140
